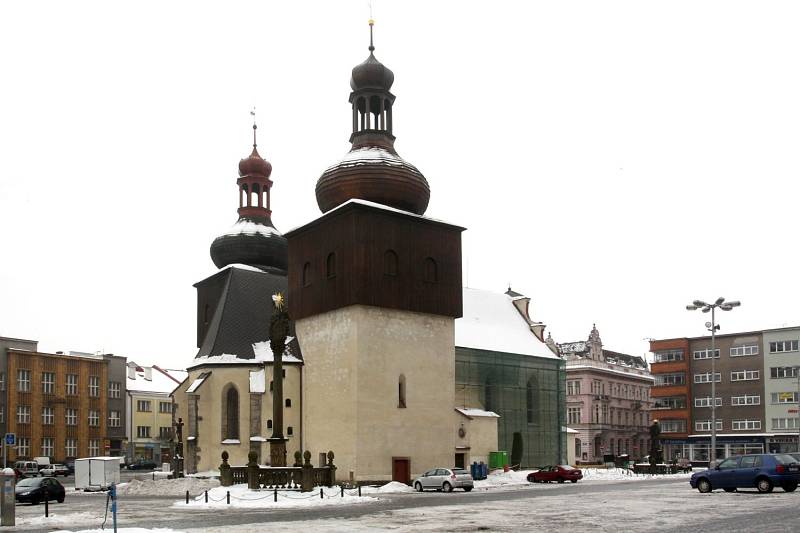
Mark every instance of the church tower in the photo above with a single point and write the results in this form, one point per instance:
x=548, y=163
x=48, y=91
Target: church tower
x=374, y=290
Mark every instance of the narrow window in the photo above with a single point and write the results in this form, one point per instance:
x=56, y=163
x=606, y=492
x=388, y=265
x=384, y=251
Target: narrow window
x=269, y=424
x=288, y=402
x=330, y=265
x=487, y=395
x=401, y=392
x=307, y=274
x=530, y=404
x=390, y=263
x=431, y=272
x=289, y=431
x=231, y=413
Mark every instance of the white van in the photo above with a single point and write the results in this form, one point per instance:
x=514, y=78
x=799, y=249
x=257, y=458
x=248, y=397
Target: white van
x=27, y=468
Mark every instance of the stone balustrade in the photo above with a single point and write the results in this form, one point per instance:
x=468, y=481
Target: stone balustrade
x=302, y=476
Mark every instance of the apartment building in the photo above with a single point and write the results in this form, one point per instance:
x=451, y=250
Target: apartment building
x=782, y=388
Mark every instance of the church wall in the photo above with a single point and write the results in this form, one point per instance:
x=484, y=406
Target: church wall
x=354, y=358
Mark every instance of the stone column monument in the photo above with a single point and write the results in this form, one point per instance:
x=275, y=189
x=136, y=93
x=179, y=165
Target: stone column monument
x=278, y=330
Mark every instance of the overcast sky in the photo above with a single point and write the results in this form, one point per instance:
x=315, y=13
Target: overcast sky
x=612, y=160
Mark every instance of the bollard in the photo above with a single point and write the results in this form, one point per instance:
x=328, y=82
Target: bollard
x=154, y=476
x=342, y=487
x=276, y=494
x=113, y=492
x=46, y=504
x=228, y=497
x=206, y=496
x=359, y=491
x=187, y=497
x=7, y=499
x=321, y=496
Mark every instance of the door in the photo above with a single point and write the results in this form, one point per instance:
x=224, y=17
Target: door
x=746, y=473
x=459, y=460
x=726, y=475
x=401, y=469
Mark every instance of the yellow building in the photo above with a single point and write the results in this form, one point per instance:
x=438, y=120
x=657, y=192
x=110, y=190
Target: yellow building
x=149, y=409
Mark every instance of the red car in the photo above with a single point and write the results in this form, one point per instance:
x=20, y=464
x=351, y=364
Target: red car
x=560, y=473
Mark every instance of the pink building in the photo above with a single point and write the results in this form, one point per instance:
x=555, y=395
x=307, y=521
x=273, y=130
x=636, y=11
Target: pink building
x=608, y=400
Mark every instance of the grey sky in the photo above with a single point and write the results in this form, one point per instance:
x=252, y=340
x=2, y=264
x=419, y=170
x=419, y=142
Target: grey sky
x=612, y=160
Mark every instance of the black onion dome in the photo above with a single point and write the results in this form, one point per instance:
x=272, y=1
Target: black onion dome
x=252, y=241
x=371, y=74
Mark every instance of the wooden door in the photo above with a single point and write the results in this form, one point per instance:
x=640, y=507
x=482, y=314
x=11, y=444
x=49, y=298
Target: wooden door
x=401, y=469
x=459, y=460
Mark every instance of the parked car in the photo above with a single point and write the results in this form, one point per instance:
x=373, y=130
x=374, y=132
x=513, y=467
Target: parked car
x=142, y=464
x=445, y=479
x=27, y=468
x=560, y=473
x=762, y=471
x=55, y=470
x=70, y=464
x=33, y=490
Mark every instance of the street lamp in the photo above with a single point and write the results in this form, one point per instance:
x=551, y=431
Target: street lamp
x=713, y=327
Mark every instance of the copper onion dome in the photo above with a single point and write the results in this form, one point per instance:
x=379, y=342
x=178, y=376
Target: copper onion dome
x=373, y=170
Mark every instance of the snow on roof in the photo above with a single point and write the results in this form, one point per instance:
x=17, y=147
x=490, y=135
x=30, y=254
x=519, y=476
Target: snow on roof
x=197, y=382
x=242, y=267
x=569, y=430
x=492, y=322
x=248, y=227
x=369, y=155
x=257, y=381
x=263, y=354
x=470, y=412
x=158, y=382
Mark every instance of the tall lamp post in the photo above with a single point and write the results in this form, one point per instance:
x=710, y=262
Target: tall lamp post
x=712, y=326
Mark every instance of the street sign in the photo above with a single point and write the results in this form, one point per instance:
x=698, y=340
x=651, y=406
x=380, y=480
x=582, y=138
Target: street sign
x=11, y=439
x=793, y=410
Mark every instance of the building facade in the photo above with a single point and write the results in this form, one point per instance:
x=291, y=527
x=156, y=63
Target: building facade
x=782, y=388
x=607, y=400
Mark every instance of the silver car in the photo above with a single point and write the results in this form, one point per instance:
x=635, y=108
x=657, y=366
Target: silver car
x=445, y=479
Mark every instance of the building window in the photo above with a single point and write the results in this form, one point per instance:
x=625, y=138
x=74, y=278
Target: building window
x=142, y=432
x=783, y=346
x=784, y=423
x=673, y=426
x=747, y=349
x=678, y=378
x=666, y=356
x=573, y=387
x=573, y=415
x=288, y=402
x=269, y=424
x=94, y=386
x=784, y=397
x=488, y=404
x=706, y=354
x=2, y=381
x=165, y=407
x=72, y=384
x=23, y=414
x=671, y=402
x=431, y=270
x=705, y=425
x=745, y=375
x=778, y=372
x=390, y=263
x=306, y=274
x=47, y=447
x=94, y=447
x=230, y=413
x=114, y=389
x=330, y=265
x=706, y=377
x=113, y=419
x=23, y=380
x=94, y=417
x=71, y=447
x=47, y=417
x=71, y=416
x=143, y=406
x=706, y=402
x=165, y=433
x=23, y=447
x=2, y=415
x=401, y=392
x=740, y=425
x=531, y=390
x=289, y=431
x=747, y=399
x=48, y=382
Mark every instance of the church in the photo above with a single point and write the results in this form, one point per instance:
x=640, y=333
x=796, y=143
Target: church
x=377, y=310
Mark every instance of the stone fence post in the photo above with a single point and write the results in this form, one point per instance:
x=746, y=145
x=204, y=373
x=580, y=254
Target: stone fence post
x=252, y=471
x=298, y=459
x=307, y=484
x=332, y=467
x=225, y=473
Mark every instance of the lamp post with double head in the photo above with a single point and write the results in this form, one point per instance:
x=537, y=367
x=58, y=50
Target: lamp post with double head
x=713, y=327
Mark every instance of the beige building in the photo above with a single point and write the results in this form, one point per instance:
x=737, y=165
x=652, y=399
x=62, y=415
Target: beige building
x=476, y=435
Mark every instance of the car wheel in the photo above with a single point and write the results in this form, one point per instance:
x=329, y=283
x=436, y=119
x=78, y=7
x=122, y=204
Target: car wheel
x=704, y=485
x=447, y=487
x=764, y=485
x=60, y=499
x=729, y=489
x=418, y=486
x=790, y=487
x=467, y=489
x=561, y=480
x=574, y=480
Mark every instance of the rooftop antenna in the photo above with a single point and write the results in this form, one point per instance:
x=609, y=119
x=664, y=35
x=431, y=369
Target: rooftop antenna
x=253, y=113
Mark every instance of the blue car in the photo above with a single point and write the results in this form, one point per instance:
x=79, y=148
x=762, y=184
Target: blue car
x=763, y=471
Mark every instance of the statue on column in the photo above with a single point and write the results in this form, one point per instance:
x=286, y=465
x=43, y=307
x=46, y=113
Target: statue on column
x=655, y=445
x=278, y=331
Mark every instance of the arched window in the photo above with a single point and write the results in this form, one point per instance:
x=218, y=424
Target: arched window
x=255, y=195
x=330, y=265
x=246, y=194
x=230, y=412
x=531, y=391
x=269, y=424
x=488, y=400
x=431, y=273
x=390, y=261
x=307, y=274
x=401, y=392
x=288, y=402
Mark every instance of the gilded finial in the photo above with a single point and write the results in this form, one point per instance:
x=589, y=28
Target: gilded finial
x=371, y=24
x=278, y=301
x=253, y=113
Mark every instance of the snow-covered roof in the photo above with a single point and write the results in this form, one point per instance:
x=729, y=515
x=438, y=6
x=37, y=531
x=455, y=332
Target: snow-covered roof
x=569, y=430
x=369, y=155
x=248, y=227
x=158, y=380
x=262, y=351
x=242, y=267
x=472, y=413
x=492, y=322
x=257, y=381
x=197, y=382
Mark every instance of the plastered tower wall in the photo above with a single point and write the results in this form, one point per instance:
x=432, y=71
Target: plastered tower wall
x=354, y=360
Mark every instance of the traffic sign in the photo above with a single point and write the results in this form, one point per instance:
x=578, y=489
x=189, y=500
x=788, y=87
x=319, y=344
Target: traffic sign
x=11, y=439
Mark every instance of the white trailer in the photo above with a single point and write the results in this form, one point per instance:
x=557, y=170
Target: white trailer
x=96, y=473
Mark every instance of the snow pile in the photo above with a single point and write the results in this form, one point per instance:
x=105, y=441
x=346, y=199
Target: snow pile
x=393, y=486
x=622, y=474
x=58, y=519
x=205, y=474
x=167, y=487
x=122, y=530
x=242, y=497
x=498, y=478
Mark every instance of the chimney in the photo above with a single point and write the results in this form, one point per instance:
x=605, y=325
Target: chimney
x=132, y=371
x=148, y=373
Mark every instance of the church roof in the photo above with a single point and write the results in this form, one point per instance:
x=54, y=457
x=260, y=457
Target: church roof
x=242, y=314
x=492, y=322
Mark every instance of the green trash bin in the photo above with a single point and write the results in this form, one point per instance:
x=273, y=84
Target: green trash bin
x=498, y=459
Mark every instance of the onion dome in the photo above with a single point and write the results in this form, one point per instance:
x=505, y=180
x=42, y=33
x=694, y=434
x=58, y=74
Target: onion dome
x=373, y=170
x=253, y=240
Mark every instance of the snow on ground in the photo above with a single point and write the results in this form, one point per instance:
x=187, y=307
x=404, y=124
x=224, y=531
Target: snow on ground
x=122, y=530
x=242, y=497
x=621, y=474
x=498, y=478
x=166, y=487
x=58, y=519
x=391, y=487
x=205, y=473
